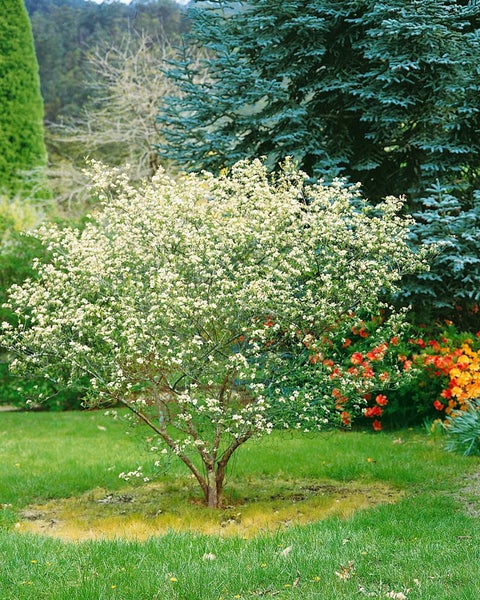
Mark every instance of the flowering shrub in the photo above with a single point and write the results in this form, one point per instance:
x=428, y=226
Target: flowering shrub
x=460, y=367
x=445, y=376
x=356, y=366
x=180, y=301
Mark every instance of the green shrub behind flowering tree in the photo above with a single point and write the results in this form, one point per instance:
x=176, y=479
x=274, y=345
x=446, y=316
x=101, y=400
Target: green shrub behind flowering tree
x=178, y=299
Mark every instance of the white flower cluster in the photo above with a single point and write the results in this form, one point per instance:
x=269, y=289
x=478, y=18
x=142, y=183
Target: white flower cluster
x=136, y=474
x=171, y=293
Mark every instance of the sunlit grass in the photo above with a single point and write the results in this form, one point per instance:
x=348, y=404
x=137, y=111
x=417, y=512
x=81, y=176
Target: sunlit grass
x=424, y=544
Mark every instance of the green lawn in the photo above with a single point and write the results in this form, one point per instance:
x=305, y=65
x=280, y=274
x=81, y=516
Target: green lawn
x=423, y=546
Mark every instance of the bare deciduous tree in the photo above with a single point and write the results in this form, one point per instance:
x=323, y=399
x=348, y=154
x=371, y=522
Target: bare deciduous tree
x=119, y=127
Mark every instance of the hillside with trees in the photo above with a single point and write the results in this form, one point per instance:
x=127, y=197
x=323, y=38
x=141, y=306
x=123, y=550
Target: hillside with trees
x=66, y=30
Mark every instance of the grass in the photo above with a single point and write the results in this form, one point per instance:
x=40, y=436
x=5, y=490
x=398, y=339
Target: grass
x=425, y=545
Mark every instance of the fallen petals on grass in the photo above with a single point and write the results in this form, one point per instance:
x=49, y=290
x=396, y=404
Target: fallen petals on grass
x=209, y=556
x=397, y=595
x=346, y=571
x=286, y=551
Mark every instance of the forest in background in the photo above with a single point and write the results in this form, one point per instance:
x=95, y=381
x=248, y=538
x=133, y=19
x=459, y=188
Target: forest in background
x=65, y=31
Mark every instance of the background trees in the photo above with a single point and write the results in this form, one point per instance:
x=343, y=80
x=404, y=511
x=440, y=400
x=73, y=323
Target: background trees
x=382, y=92
x=118, y=123
x=65, y=30
x=100, y=67
x=21, y=108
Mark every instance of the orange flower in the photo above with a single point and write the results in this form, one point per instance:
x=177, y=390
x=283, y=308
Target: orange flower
x=373, y=411
x=377, y=426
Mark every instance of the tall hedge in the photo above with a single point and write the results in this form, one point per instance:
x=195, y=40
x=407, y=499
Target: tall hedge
x=21, y=107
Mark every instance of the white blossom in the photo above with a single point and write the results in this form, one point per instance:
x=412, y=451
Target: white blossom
x=171, y=296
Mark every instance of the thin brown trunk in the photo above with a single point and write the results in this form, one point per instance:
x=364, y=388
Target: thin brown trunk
x=214, y=492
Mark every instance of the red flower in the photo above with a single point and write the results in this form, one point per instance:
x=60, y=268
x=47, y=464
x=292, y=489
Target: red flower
x=335, y=373
x=347, y=343
x=368, y=372
x=438, y=405
x=346, y=418
x=377, y=426
x=363, y=333
x=381, y=400
x=407, y=365
x=395, y=341
x=356, y=358
x=373, y=411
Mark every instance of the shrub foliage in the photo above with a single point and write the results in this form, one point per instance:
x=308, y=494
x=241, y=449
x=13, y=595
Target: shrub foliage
x=178, y=300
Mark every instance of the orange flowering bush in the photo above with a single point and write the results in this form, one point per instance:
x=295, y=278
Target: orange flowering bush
x=446, y=378
x=461, y=369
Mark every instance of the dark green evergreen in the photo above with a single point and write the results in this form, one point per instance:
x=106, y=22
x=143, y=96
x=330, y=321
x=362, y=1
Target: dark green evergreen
x=386, y=93
x=451, y=289
x=21, y=107
x=382, y=92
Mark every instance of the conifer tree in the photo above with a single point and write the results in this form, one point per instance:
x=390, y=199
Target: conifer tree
x=386, y=93
x=21, y=107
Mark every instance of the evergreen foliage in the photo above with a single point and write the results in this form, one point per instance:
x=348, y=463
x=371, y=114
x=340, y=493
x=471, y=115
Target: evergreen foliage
x=385, y=93
x=463, y=428
x=451, y=289
x=21, y=108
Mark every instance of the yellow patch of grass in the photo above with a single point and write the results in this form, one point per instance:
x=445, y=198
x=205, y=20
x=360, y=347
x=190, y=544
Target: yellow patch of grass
x=154, y=509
